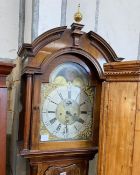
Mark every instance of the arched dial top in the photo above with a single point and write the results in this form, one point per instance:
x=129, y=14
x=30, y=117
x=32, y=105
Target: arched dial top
x=67, y=104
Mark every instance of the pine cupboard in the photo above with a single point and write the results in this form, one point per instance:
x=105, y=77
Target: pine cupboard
x=119, y=146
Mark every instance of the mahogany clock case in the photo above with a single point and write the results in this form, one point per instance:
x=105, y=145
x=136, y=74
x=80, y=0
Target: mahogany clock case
x=53, y=48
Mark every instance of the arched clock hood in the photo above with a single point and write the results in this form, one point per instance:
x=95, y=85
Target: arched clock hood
x=60, y=41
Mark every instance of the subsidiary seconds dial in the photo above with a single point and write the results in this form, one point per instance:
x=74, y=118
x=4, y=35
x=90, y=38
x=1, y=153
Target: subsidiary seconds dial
x=67, y=112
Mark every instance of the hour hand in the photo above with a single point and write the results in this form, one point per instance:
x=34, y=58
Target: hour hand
x=76, y=118
x=66, y=128
x=72, y=117
x=68, y=113
x=80, y=120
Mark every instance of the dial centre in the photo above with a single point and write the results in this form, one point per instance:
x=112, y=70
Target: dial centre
x=68, y=111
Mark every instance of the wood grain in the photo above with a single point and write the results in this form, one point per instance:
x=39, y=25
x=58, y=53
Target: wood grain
x=120, y=128
x=119, y=150
x=102, y=128
x=28, y=106
x=136, y=154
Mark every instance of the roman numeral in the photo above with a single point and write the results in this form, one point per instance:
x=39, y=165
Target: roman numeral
x=83, y=112
x=60, y=95
x=69, y=94
x=53, y=120
x=66, y=130
x=46, y=123
x=80, y=120
x=83, y=103
x=50, y=100
x=51, y=111
x=75, y=128
x=58, y=127
x=53, y=102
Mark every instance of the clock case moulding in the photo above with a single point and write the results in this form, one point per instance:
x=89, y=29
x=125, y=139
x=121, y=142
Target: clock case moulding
x=39, y=58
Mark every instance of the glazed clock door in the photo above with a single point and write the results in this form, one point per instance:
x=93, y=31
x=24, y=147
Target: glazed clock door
x=67, y=105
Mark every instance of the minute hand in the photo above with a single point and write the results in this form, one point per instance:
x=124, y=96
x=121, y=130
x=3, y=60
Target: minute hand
x=80, y=120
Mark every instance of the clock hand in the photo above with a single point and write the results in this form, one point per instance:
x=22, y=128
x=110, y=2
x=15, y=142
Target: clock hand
x=66, y=128
x=72, y=116
x=66, y=125
x=80, y=120
x=68, y=113
x=75, y=117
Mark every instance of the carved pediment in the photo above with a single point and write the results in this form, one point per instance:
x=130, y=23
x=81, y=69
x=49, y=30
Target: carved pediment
x=61, y=40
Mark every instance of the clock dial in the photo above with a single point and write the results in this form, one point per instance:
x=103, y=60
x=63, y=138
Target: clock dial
x=66, y=104
x=67, y=113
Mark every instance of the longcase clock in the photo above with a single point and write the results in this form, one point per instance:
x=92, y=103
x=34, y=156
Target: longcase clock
x=60, y=95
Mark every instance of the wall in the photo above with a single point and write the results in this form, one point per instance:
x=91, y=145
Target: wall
x=49, y=15
x=9, y=28
x=116, y=21
x=28, y=22
x=118, y=24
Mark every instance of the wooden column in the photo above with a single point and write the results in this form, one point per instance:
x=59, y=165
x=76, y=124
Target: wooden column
x=119, y=150
x=5, y=69
x=27, y=111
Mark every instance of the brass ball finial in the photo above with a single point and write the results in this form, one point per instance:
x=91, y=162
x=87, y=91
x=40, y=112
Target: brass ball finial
x=78, y=15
